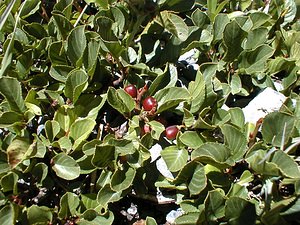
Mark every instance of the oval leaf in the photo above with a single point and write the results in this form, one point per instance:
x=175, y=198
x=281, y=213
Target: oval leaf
x=65, y=167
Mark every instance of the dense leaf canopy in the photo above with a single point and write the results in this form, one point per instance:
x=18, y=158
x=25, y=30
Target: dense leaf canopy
x=76, y=148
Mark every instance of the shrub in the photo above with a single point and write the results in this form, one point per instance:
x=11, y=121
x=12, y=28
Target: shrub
x=73, y=145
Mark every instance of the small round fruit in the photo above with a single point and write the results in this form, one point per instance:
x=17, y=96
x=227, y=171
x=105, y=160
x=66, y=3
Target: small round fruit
x=149, y=103
x=171, y=132
x=131, y=90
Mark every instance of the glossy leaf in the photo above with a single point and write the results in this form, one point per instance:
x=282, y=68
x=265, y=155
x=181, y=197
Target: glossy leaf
x=277, y=128
x=235, y=140
x=14, y=98
x=174, y=24
x=120, y=100
x=52, y=128
x=80, y=130
x=76, y=83
x=65, y=167
x=39, y=214
x=103, y=155
x=107, y=195
x=7, y=215
x=170, y=97
x=175, y=158
x=214, y=154
x=238, y=209
x=76, y=45
x=68, y=205
x=233, y=37
x=122, y=179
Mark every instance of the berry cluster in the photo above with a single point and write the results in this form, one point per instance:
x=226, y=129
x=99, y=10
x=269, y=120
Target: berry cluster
x=149, y=105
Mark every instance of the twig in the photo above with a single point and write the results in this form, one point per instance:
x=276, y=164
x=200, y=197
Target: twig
x=81, y=15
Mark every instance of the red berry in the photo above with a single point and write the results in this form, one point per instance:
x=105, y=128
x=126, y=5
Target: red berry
x=131, y=90
x=149, y=103
x=171, y=132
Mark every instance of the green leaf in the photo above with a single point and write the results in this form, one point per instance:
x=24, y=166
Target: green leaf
x=233, y=38
x=68, y=205
x=7, y=215
x=192, y=174
x=104, y=154
x=40, y=172
x=175, y=158
x=39, y=214
x=254, y=61
x=65, y=167
x=14, y=98
x=236, y=84
x=9, y=182
x=120, y=100
x=58, y=56
x=220, y=117
x=6, y=13
x=293, y=210
x=170, y=97
x=156, y=129
x=258, y=19
x=235, y=140
x=277, y=128
x=192, y=139
x=286, y=164
x=76, y=83
x=62, y=24
x=122, y=178
x=239, y=210
x=89, y=105
x=221, y=20
x=76, y=45
x=107, y=195
x=176, y=5
x=64, y=116
x=258, y=163
x=29, y=7
x=122, y=146
x=89, y=200
x=80, y=130
x=109, y=42
x=37, y=149
x=290, y=13
x=8, y=119
x=197, y=91
x=92, y=217
x=198, y=180
x=189, y=218
x=215, y=154
x=188, y=118
x=102, y=3
x=174, y=24
x=164, y=80
x=150, y=221
x=36, y=30
x=237, y=117
x=52, y=128
x=214, y=205
x=199, y=18
x=256, y=38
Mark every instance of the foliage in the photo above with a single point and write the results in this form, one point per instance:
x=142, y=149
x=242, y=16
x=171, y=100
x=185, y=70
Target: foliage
x=73, y=142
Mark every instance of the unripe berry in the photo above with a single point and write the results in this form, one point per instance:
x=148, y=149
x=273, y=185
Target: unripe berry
x=131, y=90
x=149, y=103
x=171, y=132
